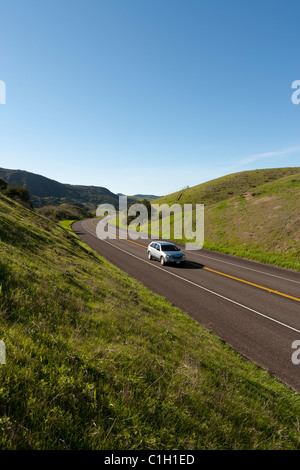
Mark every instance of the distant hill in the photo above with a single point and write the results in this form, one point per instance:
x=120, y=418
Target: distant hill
x=48, y=192
x=149, y=197
x=138, y=197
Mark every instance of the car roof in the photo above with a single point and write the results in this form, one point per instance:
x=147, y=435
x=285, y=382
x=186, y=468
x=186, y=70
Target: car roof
x=165, y=243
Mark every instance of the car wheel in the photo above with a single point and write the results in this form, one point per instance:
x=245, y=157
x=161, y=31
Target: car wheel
x=162, y=260
x=149, y=255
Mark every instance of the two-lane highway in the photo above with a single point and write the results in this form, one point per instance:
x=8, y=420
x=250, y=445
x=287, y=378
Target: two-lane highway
x=253, y=307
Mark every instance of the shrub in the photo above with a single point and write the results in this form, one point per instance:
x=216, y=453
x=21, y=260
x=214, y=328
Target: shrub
x=3, y=185
x=20, y=194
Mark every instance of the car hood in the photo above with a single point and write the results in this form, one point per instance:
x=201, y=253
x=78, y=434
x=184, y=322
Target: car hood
x=174, y=254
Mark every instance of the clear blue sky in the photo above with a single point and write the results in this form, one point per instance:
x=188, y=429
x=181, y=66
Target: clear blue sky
x=148, y=96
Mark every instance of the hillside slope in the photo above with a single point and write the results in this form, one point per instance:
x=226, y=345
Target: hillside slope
x=253, y=214
x=227, y=186
x=264, y=223
x=96, y=361
x=46, y=192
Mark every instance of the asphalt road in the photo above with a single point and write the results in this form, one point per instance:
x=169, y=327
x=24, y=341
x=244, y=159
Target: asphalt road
x=253, y=307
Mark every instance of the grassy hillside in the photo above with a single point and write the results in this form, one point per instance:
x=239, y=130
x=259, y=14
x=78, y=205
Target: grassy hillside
x=46, y=192
x=254, y=214
x=227, y=186
x=96, y=361
x=263, y=224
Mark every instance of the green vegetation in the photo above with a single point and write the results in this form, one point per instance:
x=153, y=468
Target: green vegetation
x=253, y=214
x=263, y=225
x=3, y=185
x=18, y=193
x=96, y=361
x=146, y=204
x=63, y=212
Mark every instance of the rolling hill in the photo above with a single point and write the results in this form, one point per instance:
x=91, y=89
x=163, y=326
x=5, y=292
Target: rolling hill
x=227, y=186
x=47, y=192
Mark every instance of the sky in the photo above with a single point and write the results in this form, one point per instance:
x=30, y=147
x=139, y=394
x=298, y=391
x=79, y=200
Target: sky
x=148, y=96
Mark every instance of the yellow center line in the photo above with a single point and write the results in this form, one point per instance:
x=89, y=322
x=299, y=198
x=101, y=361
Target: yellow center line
x=253, y=284
x=258, y=286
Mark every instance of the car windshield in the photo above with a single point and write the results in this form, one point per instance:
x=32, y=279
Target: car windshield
x=169, y=248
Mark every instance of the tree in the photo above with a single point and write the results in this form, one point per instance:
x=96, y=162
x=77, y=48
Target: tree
x=20, y=194
x=3, y=185
x=145, y=203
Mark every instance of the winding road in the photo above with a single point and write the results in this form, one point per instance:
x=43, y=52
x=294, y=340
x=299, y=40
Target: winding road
x=253, y=307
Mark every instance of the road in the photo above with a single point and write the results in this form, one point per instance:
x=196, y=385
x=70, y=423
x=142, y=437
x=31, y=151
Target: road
x=253, y=307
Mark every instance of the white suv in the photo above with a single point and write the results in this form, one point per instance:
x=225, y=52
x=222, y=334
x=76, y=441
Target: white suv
x=165, y=252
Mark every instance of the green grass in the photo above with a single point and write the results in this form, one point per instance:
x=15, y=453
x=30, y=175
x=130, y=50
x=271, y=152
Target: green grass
x=97, y=361
x=227, y=186
x=264, y=226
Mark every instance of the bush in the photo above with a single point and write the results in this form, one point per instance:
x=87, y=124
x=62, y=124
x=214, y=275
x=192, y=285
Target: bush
x=146, y=203
x=3, y=185
x=20, y=194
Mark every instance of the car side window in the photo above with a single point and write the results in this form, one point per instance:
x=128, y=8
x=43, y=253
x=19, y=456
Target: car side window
x=158, y=247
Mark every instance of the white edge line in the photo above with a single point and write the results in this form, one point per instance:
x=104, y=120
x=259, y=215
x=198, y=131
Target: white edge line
x=197, y=285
